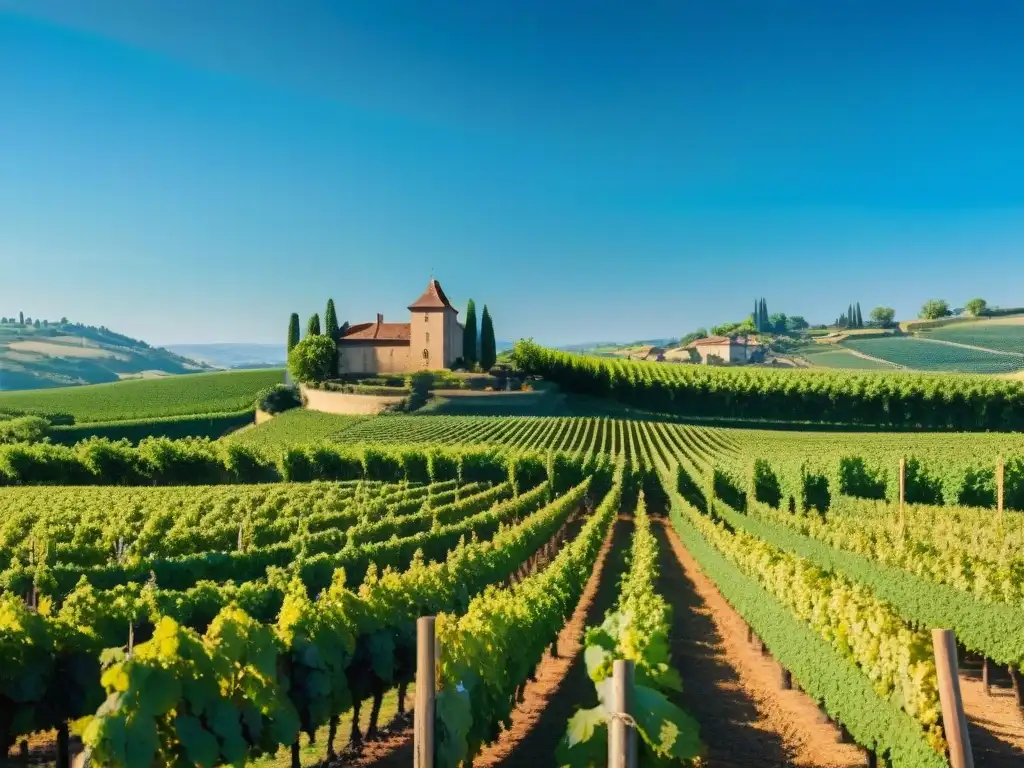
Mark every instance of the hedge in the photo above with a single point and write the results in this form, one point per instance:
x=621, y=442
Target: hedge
x=209, y=425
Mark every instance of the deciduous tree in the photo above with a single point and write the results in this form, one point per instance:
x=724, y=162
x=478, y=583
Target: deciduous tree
x=700, y=333
x=933, y=309
x=976, y=307
x=312, y=358
x=777, y=323
x=883, y=316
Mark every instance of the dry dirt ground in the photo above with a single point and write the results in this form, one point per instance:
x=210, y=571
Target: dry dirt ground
x=995, y=722
x=732, y=689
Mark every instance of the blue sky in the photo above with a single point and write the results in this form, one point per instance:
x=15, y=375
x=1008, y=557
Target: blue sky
x=195, y=171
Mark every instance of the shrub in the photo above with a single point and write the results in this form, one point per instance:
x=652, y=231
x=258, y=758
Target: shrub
x=856, y=478
x=814, y=491
x=181, y=462
x=526, y=471
x=247, y=465
x=419, y=385
x=112, y=462
x=311, y=360
x=279, y=398
x=767, y=488
x=482, y=466
x=416, y=466
x=380, y=465
x=42, y=464
x=442, y=466
x=24, y=429
x=729, y=490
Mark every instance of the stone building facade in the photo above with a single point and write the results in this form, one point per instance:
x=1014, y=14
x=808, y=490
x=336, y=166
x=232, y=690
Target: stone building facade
x=432, y=339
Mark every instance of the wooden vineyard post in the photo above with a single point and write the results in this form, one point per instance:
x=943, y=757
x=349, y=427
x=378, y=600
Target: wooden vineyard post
x=63, y=746
x=984, y=677
x=954, y=721
x=622, y=741
x=903, y=491
x=1000, y=470
x=785, y=679
x=426, y=686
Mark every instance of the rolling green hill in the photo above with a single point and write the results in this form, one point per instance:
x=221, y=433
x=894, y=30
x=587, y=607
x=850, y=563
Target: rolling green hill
x=67, y=354
x=834, y=356
x=204, y=393
x=997, y=335
x=922, y=355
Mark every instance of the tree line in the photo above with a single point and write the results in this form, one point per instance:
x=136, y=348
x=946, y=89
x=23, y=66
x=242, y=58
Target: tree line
x=832, y=397
x=28, y=321
x=760, y=321
x=478, y=348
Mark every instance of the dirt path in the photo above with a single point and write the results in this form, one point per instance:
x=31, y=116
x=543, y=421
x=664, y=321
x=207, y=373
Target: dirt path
x=995, y=723
x=857, y=353
x=562, y=685
x=731, y=689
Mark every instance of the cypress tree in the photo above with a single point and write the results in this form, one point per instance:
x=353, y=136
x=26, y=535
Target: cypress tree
x=469, y=336
x=313, y=329
x=331, y=320
x=488, y=346
x=764, y=314
x=293, y=330
x=860, y=317
x=756, y=317
x=21, y=318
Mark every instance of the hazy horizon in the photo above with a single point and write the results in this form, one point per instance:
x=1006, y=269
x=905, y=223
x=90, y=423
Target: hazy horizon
x=193, y=173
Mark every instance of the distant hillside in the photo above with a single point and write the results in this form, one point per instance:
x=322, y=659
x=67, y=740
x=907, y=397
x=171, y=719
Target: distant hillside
x=250, y=355
x=67, y=354
x=233, y=355
x=615, y=347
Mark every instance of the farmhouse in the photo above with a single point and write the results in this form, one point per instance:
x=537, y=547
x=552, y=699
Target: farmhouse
x=726, y=350
x=647, y=353
x=431, y=339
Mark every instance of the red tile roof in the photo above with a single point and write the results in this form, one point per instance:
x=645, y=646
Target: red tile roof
x=432, y=298
x=379, y=331
x=708, y=340
x=748, y=340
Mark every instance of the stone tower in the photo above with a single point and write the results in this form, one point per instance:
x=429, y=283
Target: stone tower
x=435, y=335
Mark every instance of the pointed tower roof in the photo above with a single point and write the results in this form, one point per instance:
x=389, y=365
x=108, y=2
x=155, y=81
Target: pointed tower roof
x=432, y=298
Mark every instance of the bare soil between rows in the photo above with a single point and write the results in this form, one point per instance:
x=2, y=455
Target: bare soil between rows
x=732, y=689
x=995, y=723
x=562, y=685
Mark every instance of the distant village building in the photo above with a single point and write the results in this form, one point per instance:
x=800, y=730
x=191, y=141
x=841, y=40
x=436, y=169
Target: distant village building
x=648, y=353
x=726, y=350
x=432, y=339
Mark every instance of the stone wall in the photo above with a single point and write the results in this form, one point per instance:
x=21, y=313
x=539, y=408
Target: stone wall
x=342, y=402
